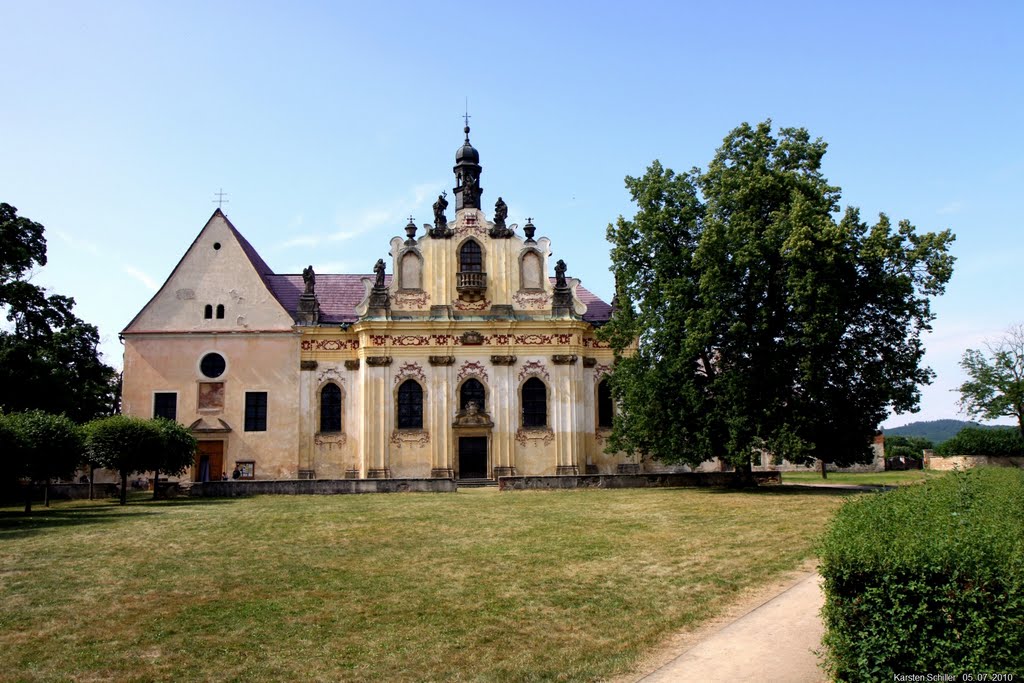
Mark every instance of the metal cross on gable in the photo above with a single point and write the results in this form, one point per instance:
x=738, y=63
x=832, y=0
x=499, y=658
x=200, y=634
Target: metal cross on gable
x=220, y=201
x=466, y=117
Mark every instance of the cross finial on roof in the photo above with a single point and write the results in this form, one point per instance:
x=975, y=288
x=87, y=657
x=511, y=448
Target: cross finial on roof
x=220, y=201
x=466, y=117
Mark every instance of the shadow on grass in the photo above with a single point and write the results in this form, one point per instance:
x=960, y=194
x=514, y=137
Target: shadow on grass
x=14, y=523
x=795, y=490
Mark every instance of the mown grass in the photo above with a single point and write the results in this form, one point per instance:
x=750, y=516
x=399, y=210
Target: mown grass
x=894, y=478
x=473, y=586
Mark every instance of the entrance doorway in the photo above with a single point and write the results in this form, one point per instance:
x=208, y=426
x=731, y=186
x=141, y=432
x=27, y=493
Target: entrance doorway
x=472, y=457
x=209, y=465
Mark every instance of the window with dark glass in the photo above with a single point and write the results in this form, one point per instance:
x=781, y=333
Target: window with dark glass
x=330, y=408
x=470, y=258
x=212, y=365
x=220, y=311
x=604, y=404
x=471, y=390
x=410, y=405
x=255, y=411
x=165, y=404
x=208, y=311
x=535, y=403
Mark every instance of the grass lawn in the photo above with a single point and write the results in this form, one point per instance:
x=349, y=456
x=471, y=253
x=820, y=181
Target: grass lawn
x=476, y=585
x=894, y=478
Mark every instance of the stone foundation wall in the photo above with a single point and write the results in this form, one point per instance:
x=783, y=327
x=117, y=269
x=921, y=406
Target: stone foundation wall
x=966, y=462
x=231, y=489
x=635, y=481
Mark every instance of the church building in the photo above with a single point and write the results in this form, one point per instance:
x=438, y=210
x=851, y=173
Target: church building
x=467, y=361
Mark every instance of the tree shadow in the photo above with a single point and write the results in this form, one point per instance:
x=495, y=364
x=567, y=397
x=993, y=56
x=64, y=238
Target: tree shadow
x=796, y=490
x=14, y=523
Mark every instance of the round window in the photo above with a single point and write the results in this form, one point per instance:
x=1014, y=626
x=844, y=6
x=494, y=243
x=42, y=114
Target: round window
x=212, y=365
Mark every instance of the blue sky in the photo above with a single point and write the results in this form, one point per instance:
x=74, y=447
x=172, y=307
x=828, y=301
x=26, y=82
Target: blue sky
x=328, y=124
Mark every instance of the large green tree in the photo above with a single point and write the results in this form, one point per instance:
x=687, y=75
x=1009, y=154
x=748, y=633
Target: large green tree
x=176, y=451
x=756, y=319
x=49, y=358
x=38, y=447
x=995, y=384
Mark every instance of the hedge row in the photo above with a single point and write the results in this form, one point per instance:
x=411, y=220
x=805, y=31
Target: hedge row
x=975, y=441
x=927, y=579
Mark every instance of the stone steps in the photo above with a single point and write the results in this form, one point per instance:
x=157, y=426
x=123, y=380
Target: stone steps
x=475, y=483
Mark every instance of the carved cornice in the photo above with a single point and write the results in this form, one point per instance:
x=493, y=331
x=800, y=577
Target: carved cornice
x=472, y=338
x=564, y=359
x=307, y=365
x=503, y=360
x=441, y=360
x=589, y=362
x=352, y=364
x=378, y=361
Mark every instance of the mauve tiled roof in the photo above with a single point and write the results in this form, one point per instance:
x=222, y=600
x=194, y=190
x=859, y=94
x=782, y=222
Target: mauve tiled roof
x=338, y=294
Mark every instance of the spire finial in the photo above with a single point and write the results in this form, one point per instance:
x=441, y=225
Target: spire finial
x=466, y=118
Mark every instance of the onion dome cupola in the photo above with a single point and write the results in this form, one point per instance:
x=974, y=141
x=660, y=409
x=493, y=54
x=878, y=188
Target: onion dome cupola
x=467, y=176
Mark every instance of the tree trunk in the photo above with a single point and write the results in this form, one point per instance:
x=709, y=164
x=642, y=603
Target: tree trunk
x=156, y=482
x=46, y=493
x=824, y=471
x=124, y=487
x=92, y=476
x=28, y=496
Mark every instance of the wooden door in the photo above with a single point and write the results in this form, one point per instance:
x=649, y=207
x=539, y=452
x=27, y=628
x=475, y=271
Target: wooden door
x=472, y=457
x=209, y=465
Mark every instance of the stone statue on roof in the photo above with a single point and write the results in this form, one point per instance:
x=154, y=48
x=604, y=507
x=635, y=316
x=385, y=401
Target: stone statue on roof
x=378, y=268
x=560, y=275
x=440, y=220
x=309, y=278
x=500, y=213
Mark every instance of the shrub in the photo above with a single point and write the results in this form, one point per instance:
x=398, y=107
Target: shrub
x=927, y=579
x=906, y=446
x=975, y=441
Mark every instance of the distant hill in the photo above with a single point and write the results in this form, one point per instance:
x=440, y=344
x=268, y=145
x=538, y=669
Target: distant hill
x=936, y=431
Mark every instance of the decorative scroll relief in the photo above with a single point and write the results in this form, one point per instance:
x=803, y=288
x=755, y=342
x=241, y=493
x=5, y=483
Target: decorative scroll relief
x=541, y=339
x=405, y=300
x=591, y=343
x=602, y=369
x=469, y=223
x=534, y=436
x=410, y=370
x=471, y=368
x=330, y=440
x=534, y=367
x=532, y=300
x=482, y=305
x=330, y=375
x=329, y=344
x=409, y=437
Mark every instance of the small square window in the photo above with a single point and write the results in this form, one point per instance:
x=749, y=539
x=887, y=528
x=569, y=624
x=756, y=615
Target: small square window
x=255, y=411
x=165, y=404
x=244, y=469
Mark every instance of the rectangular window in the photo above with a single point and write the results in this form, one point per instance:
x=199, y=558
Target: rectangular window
x=165, y=404
x=244, y=469
x=255, y=411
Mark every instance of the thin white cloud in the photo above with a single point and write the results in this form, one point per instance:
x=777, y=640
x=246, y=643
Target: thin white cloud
x=301, y=241
x=146, y=280
x=952, y=207
x=77, y=243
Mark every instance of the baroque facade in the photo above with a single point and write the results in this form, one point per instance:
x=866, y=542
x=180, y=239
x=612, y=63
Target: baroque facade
x=470, y=361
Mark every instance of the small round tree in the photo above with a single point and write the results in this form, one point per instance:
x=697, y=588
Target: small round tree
x=176, y=452
x=41, y=447
x=125, y=444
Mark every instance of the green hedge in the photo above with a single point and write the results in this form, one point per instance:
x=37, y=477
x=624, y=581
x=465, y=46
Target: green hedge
x=927, y=579
x=975, y=441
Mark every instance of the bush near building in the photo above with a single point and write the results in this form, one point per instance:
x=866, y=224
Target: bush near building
x=927, y=578
x=976, y=441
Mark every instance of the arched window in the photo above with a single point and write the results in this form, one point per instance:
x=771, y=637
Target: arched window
x=410, y=405
x=411, y=271
x=532, y=271
x=604, y=404
x=330, y=408
x=471, y=390
x=220, y=311
x=535, y=403
x=208, y=312
x=470, y=258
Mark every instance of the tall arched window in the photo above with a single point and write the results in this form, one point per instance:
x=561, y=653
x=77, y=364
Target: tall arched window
x=535, y=403
x=220, y=311
x=410, y=405
x=330, y=408
x=604, y=404
x=471, y=258
x=471, y=390
x=208, y=312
